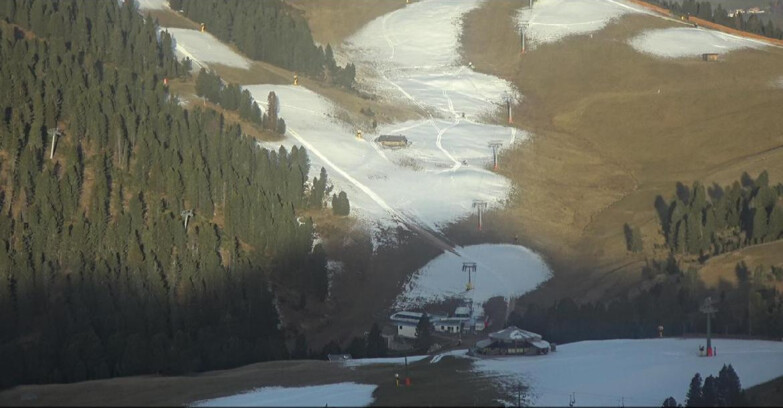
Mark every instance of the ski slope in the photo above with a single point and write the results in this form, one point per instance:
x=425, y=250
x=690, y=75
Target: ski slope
x=383, y=185
x=678, y=42
x=204, y=48
x=152, y=4
x=502, y=270
x=552, y=20
x=412, y=55
x=347, y=394
x=633, y=372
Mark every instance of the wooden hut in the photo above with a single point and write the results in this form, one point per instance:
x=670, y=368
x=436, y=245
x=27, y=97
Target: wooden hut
x=709, y=57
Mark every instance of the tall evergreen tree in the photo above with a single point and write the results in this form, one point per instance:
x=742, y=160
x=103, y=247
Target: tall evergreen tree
x=694, y=396
x=424, y=333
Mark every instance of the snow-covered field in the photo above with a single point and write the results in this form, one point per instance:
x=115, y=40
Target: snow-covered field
x=425, y=183
x=680, y=42
x=152, y=4
x=203, y=47
x=409, y=54
x=502, y=270
x=633, y=372
x=385, y=360
x=412, y=54
x=552, y=20
x=334, y=395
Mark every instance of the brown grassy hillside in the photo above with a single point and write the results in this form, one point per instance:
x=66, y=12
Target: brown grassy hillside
x=614, y=128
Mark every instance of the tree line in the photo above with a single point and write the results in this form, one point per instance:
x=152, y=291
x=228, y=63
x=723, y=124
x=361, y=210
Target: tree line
x=751, y=307
x=725, y=390
x=100, y=275
x=270, y=31
x=741, y=21
x=371, y=345
x=710, y=221
x=232, y=97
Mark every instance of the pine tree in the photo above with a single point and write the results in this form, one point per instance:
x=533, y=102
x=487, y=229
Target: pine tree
x=272, y=110
x=694, y=396
x=376, y=345
x=300, y=347
x=709, y=396
x=357, y=348
x=729, y=387
x=424, y=333
x=759, y=229
x=775, y=225
x=669, y=402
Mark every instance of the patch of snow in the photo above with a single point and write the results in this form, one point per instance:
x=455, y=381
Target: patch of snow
x=347, y=394
x=152, y=4
x=677, y=42
x=779, y=83
x=502, y=270
x=387, y=360
x=551, y=20
x=460, y=352
x=638, y=372
x=203, y=47
x=426, y=182
x=412, y=54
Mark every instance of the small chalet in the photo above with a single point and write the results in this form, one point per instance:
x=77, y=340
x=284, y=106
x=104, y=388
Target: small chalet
x=709, y=57
x=392, y=140
x=449, y=325
x=406, y=329
x=515, y=341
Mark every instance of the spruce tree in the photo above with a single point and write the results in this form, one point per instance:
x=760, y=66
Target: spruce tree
x=709, y=393
x=376, y=345
x=424, y=333
x=729, y=387
x=669, y=402
x=357, y=348
x=694, y=396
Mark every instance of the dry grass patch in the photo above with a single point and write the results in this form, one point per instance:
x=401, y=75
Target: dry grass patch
x=451, y=378
x=612, y=129
x=332, y=21
x=723, y=267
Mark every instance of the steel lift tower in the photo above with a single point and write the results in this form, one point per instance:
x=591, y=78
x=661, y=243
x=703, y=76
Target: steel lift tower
x=495, y=146
x=480, y=207
x=469, y=267
x=708, y=308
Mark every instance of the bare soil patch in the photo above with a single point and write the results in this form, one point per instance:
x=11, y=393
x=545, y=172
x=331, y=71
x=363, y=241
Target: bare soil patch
x=612, y=129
